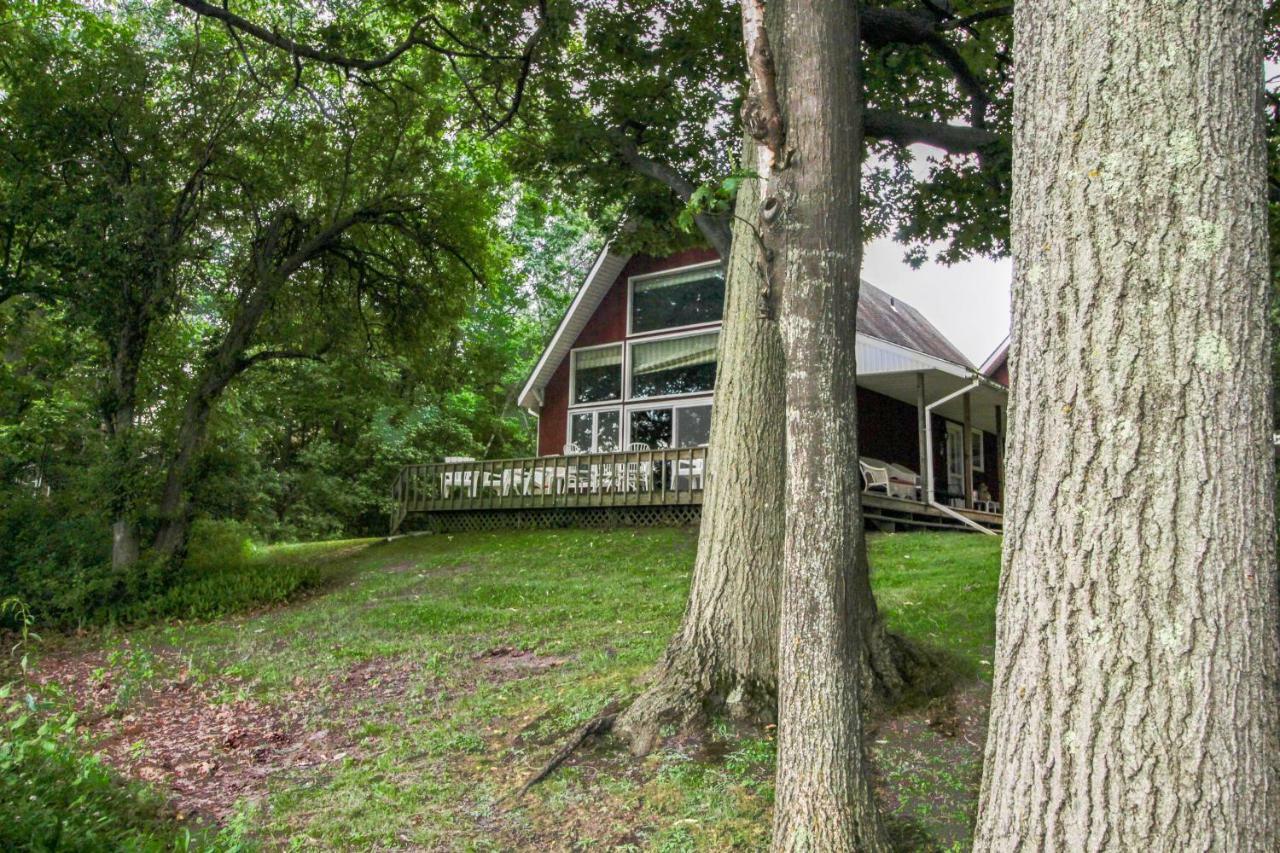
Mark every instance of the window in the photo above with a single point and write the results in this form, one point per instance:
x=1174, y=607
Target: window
x=685, y=365
x=978, y=463
x=597, y=374
x=682, y=299
x=652, y=427
x=693, y=426
x=594, y=432
x=682, y=426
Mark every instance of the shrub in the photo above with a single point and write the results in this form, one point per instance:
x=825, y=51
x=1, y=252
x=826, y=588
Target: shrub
x=224, y=573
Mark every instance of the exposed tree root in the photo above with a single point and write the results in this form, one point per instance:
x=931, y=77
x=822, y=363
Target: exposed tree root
x=685, y=693
x=684, y=696
x=898, y=670
x=600, y=724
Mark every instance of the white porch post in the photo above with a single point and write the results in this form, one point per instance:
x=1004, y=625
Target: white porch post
x=922, y=424
x=967, y=444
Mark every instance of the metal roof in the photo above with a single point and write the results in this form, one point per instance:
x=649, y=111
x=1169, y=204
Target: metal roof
x=890, y=319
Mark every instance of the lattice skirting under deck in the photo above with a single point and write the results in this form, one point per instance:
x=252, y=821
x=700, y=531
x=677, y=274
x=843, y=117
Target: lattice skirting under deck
x=461, y=521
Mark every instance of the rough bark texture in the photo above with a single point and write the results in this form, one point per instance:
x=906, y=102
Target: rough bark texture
x=1135, y=694
x=724, y=656
x=811, y=217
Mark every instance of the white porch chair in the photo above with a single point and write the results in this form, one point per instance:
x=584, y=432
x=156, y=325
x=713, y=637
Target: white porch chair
x=637, y=476
x=874, y=477
x=904, y=483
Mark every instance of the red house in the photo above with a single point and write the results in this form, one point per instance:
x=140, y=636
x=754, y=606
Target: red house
x=624, y=391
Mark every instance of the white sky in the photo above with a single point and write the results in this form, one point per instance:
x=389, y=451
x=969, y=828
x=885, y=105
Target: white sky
x=968, y=302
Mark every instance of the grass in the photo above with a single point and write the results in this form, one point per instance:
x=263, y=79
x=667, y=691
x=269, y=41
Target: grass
x=413, y=658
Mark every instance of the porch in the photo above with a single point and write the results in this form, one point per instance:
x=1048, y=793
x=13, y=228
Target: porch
x=544, y=490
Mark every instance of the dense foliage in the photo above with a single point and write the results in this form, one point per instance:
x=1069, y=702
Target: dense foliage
x=228, y=292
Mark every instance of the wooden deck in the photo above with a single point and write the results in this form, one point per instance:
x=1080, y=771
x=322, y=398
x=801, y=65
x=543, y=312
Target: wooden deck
x=649, y=478
x=669, y=477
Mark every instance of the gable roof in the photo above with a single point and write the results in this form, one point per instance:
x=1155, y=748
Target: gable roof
x=879, y=316
x=597, y=283
x=998, y=355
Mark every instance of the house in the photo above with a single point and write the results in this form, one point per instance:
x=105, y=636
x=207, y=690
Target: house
x=627, y=384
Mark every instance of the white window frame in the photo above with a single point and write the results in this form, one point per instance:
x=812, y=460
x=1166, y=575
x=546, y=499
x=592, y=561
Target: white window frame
x=627, y=360
x=573, y=375
x=594, y=411
x=671, y=403
x=979, y=452
x=671, y=273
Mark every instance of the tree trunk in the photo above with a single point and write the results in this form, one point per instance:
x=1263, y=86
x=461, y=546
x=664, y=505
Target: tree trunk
x=1135, y=700
x=120, y=407
x=724, y=655
x=174, y=511
x=226, y=362
x=811, y=219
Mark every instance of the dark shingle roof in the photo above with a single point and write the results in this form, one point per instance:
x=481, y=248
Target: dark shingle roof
x=890, y=319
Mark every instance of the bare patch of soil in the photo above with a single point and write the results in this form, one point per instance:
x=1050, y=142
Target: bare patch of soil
x=380, y=680
x=504, y=663
x=926, y=768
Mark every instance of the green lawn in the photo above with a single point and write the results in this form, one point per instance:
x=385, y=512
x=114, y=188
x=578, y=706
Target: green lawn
x=397, y=706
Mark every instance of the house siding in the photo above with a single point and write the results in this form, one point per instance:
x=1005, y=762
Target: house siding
x=1001, y=372
x=887, y=429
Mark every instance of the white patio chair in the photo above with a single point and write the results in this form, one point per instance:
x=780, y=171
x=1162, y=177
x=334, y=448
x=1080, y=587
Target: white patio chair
x=687, y=473
x=874, y=476
x=462, y=480
x=637, y=476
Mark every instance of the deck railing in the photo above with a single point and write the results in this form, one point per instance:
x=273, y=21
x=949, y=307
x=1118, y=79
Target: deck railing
x=625, y=478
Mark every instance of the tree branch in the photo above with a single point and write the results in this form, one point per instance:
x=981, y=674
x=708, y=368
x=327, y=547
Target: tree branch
x=883, y=27
x=965, y=78
x=295, y=48
x=968, y=21
x=415, y=38
x=714, y=228
x=907, y=130
x=526, y=68
x=762, y=109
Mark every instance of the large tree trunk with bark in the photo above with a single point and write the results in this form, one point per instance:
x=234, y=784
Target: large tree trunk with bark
x=227, y=361
x=724, y=655
x=810, y=219
x=1135, y=700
